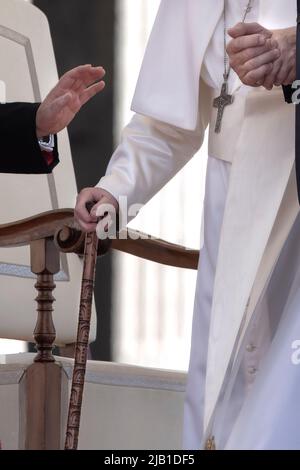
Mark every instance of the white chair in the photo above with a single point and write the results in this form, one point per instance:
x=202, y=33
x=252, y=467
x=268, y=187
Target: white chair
x=29, y=71
x=125, y=407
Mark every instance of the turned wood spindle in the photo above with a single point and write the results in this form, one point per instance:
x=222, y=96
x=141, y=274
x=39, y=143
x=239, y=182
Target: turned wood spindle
x=44, y=263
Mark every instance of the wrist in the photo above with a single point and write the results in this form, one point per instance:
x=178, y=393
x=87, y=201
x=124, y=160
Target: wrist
x=285, y=36
x=40, y=123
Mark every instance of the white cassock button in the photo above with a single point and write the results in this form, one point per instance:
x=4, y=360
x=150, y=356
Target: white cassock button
x=250, y=348
x=252, y=370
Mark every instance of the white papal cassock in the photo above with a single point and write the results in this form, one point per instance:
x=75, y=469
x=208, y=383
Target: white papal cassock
x=242, y=383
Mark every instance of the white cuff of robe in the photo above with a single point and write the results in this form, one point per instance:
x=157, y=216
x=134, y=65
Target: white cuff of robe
x=47, y=146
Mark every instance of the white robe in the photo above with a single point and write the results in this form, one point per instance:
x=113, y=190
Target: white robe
x=163, y=135
x=259, y=335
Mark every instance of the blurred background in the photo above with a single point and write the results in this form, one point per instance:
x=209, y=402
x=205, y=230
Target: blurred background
x=144, y=310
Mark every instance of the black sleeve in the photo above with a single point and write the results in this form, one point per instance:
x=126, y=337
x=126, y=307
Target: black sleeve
x=288, y=93
x=20, y=151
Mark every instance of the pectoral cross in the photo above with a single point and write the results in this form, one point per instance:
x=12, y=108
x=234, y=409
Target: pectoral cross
x=220, y=103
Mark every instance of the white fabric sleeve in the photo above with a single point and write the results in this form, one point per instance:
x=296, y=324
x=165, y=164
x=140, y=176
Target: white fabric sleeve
x=149, y=155
x=47, y=146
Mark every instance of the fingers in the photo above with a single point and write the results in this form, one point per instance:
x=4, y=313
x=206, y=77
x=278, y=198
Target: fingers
x=79, y=72
x=254, y=77
x=279, y=76
x=102, y=207
x=291, y=77
x=245, y=42
x=87, y=227
x=252, y=56
x=87, y=77
x=103, y=202
x=86, y=72
x=250, y=62
x=283, y=76
x=107, y=203
x=106, y=212
x=252, y=70
x=245, y=29
x=70, y=78
x=249, y=53
x=86, y=220
x=239, y=56
x=91, y=91
x=81, y=76
x=104, y=226
x=266, y=58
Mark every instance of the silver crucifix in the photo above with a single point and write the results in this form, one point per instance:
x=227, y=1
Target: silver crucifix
x=220, y=103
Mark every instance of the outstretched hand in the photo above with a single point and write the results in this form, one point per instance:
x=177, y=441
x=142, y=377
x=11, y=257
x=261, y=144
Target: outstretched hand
x=262, y=57
x=73, y=90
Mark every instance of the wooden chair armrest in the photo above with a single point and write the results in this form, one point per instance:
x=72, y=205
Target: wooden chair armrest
x=23, y=232
x=70, y=240
x=154, y=249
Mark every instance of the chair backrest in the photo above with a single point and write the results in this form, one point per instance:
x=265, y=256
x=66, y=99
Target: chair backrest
x=28, y=71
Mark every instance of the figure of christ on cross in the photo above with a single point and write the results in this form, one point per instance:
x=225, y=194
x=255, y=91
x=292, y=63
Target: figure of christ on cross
x=220, y=103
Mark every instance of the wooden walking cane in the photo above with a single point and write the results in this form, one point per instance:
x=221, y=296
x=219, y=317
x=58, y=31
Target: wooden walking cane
x=81, y=350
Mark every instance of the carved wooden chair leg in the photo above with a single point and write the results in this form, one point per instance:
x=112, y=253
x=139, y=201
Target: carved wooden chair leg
x=44, y=263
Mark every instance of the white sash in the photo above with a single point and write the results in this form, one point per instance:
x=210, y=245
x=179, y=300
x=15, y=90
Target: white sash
x=262, y=166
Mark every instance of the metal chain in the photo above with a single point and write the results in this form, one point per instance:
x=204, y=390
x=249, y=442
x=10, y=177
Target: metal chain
x=227, y=68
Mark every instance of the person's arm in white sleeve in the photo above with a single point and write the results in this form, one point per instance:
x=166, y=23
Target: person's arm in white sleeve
x=149, y=155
